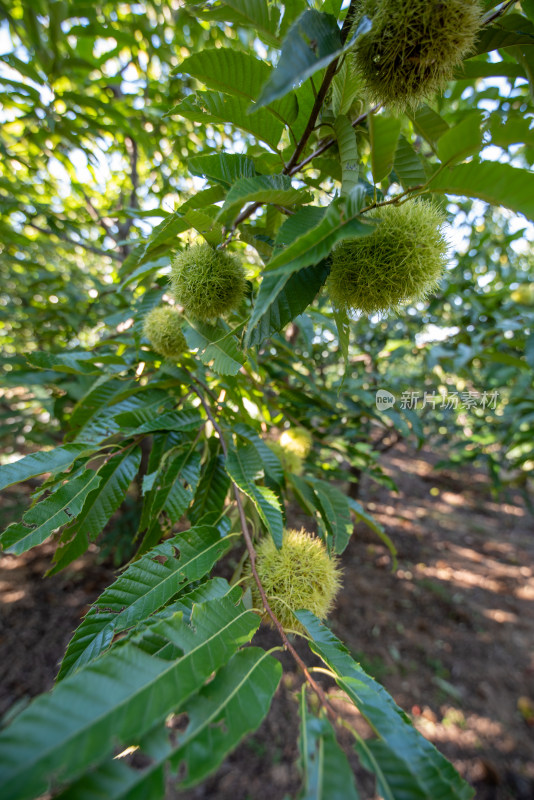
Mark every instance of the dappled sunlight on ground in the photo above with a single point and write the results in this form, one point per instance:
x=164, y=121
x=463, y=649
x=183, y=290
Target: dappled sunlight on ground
x=451, y=632
x=38, y=615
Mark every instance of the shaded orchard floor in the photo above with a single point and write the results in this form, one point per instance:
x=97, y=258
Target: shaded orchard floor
x=450, y=633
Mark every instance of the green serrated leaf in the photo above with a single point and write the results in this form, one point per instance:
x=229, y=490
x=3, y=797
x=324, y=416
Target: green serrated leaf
x=204, y=198
x=345, y=89
x=236, y=73
x=187, y=420
x=204, y=224
x=244, y=466
x=233, y=704
x=101, y=421
x=217, y=345
x=222, y=109
x=227, y=70
x=362, y=515
x=508, y=31
x=101, y=392
x=348, y=153
x=173, y=487
x=292, y=10
x=117, y=700
x=260, y=16
x=516, y=130
x=341, y=221
x=482, y=68
x=163, y=234
x=408, y=165
x=148, y=269
x=528, y=8
x=424, y=769
x=146, y=586
x=52, y=513
x=429, y=124
x=45, y=461
x=212, y=489
x=116, y=476
x=75, y=362
x=275, y=189
x=384, y=136
x=343, y=332
x=282, y=298
x=462, y=140
x=333, y=507
x=325, y=767
x=229, y=707
x=297, y=225
x=498, y=184
x=311, y=44
x=223, y=168
x=270, y=461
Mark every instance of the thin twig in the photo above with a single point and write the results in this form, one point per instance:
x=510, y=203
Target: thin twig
x=329, y=143
x=287, y=211
x=95, y=216
x=252, y=556
x=499, y=12
x=395, y=200
x=62, y=237
x=321, y=94
x=245, y=214
x=310, y=125
x=124, y=228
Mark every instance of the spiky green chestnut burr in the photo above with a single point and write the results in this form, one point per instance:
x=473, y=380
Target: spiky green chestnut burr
x=291, y=462
x=413, y=47
x=400, y=262
x=208, y=283
x=301, y=575
x=297, y=441
x=163, y=329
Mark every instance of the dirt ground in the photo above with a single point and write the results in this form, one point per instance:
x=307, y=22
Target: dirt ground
x=450, y=633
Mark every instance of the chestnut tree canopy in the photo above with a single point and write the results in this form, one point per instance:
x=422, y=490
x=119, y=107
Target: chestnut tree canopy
x=136, y=136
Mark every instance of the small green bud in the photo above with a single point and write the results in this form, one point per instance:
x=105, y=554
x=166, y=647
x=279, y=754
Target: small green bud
x=208, y=283
x=163, y=329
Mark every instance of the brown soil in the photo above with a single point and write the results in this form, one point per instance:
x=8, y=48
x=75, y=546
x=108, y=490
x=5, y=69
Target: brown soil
x=450, y=633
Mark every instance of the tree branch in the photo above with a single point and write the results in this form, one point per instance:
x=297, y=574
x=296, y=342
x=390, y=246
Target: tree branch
x=252, y=556
x=124, y=229
x=245, y=214
x=131, y=149
x=310, y=125
x=321, y=94
x=329, y=142
x=95, y=216
x=85, y=246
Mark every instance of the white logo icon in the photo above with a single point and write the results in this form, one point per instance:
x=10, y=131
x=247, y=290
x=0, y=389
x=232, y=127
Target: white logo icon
x=384, y=400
